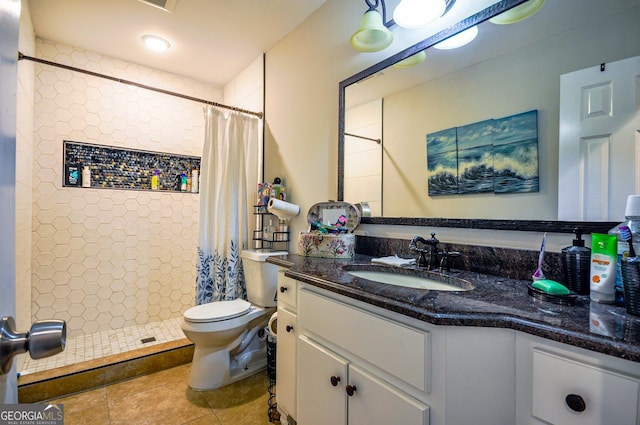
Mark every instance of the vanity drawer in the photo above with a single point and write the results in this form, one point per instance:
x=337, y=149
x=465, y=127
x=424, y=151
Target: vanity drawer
x=567, y=392
x=287, y=291
x=401, y=351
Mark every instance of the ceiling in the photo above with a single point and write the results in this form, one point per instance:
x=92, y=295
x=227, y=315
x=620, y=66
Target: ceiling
x=211, y=40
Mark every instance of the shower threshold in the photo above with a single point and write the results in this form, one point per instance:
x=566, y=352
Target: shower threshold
x=124, y=360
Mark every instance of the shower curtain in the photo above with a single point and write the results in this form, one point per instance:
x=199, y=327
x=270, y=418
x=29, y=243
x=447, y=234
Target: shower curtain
x=231, y=159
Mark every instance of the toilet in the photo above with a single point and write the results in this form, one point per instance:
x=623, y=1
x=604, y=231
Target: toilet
x=228, y=336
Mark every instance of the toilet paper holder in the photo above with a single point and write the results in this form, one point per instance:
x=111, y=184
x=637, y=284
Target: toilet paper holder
x=45, y=338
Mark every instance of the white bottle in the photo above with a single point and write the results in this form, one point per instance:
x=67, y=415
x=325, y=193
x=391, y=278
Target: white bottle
x=194, y=181
x=86, y=176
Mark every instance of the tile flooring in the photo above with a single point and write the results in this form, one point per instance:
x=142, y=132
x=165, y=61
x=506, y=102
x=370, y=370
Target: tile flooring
x=165, y=398
x=107, y=343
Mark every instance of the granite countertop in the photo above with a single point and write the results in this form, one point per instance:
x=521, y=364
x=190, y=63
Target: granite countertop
x=495, y=302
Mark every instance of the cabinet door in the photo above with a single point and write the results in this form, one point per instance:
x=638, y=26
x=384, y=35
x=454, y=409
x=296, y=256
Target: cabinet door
x=373, y=401
x=567, y=392
x=320, y=402
x=286, y=362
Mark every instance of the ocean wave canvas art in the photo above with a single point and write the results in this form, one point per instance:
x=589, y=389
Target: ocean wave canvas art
x=475, y=157
x=495, y=155
x=515, y=153
x=442, y=162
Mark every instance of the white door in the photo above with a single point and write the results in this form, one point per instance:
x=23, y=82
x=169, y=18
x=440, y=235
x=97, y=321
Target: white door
x=599, y=141
x=9, y=20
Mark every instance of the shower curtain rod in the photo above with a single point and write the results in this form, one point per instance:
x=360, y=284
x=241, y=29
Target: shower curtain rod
x=378, y=141
x=22, y=56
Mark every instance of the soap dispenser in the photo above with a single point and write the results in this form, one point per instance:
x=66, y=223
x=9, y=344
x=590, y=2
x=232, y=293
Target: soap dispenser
x=576, y=263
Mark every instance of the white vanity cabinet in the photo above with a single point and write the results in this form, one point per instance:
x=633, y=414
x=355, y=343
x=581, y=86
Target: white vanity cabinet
x=286, y=357
x=564, y=385
x=359, y=364
x=351, y=364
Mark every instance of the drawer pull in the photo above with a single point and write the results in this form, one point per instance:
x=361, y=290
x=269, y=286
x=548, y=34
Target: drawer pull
x=289, y=328
x=575, y=402
x=335, y=380
x=351, y=390
x=283, y=289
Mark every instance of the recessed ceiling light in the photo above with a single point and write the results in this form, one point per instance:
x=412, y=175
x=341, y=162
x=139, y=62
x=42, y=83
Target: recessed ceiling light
x=156, y=43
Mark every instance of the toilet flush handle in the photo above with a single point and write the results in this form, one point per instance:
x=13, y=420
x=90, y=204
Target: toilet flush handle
x=45, y=338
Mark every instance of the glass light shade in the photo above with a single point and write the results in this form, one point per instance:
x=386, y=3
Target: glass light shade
x=458, y=40
x=412, y=60
x=372, y=35
x=155, y=43
x=416, y=13
x=518, y=13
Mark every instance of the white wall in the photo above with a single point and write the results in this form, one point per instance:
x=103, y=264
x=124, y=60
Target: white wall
x=301, y=110
x=302, y=76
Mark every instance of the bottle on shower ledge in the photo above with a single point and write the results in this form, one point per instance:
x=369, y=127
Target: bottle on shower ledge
x=86, y=176
x=155, y=180
x=183, y=182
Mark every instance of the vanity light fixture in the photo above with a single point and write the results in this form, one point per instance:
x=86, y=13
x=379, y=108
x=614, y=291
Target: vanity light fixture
x=463, y=38
x=155, y=43
x=416, y=13
x=412, y=60
x=518, y=13
x=373, y=34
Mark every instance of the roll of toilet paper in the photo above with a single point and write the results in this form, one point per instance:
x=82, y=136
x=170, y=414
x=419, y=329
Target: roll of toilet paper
x=282, y=209
x=273, y=323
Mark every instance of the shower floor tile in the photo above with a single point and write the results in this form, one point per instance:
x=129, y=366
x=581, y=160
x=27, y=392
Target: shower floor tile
x=102, y=344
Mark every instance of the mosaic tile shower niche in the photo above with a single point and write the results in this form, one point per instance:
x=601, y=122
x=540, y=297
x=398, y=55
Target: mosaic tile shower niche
x=117, y=168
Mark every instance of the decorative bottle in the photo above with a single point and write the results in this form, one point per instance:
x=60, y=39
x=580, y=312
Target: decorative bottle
x=576, y=265
x=86, y=176
x=154, y=180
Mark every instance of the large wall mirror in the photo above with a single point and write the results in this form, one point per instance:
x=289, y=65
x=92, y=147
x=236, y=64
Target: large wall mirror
x=506, y=70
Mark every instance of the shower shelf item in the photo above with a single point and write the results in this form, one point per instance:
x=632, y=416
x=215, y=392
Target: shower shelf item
x=276, y=239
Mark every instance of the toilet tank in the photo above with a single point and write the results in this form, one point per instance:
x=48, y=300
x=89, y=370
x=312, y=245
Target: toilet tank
x=261, y=277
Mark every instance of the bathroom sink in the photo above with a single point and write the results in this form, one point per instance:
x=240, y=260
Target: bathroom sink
x=410, y=278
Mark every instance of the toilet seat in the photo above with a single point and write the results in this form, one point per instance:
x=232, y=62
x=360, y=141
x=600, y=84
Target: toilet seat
x=217, y=311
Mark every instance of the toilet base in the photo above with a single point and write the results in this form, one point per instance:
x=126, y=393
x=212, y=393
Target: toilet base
x=215, y=369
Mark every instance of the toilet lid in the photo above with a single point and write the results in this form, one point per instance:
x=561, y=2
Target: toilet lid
x=217, y=310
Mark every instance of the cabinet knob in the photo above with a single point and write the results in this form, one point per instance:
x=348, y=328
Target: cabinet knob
x=575, y=402
x=289, y=328
x=283, y=289
x=335, y=380
x=351, y=390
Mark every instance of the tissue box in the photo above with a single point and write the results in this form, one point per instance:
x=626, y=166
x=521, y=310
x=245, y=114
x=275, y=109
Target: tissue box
x=331, y=217
x=313, y=244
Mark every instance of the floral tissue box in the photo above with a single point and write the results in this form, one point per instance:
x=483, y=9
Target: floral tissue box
x=313, y=244
x=330, y=235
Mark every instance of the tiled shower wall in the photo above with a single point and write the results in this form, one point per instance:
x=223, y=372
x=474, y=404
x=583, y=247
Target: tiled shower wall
x=102, y=258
